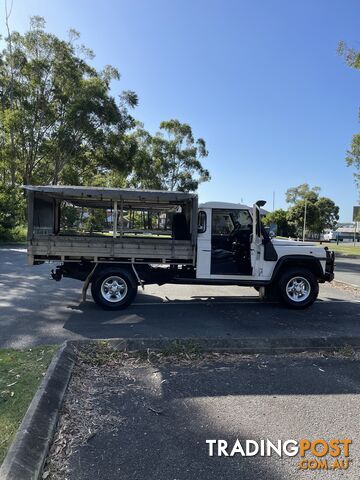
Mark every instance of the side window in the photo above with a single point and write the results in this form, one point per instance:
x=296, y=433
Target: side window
x=244, y=220
x=221, y=222
x=201, y=222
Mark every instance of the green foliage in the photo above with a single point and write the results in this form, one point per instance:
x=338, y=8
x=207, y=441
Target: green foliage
x=14, y=234
x=70, y=218
x=75, y=219
x=96, y=221
x=296, y=217
x=57, y=110
x=169, y=160
x=353, y=157
x=346, y=248
x=321, y=212
x=59, y=124
x=328, y=213
x=180, y=348
x=302, y=192
x=12, y=203
x=20, y=374
x=280, y=217
x=352, y=58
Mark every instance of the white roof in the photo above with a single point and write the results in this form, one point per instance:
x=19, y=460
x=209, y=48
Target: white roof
x=345, y=230
x=74, y=191
x=104, y=197
x=231, y=206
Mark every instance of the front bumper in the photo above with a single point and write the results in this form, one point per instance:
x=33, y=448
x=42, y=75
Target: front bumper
x=329, y=266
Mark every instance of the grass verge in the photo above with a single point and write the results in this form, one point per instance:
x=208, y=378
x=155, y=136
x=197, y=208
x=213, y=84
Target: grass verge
x=21, y=372
x=347, y=249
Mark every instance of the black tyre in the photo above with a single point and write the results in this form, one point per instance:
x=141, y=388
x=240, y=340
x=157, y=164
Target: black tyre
x=114, y=289
x=298, y=288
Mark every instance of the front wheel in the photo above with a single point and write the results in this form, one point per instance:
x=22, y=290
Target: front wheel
x=114, y=290
x=298, y=288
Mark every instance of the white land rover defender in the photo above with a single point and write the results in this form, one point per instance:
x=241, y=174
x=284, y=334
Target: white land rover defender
x=160, y=237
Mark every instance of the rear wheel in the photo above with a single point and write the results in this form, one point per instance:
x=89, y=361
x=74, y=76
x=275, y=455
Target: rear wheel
x=298, y=288
x=114, y=290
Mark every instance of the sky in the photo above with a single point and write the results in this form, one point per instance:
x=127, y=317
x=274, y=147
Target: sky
x=259, y=80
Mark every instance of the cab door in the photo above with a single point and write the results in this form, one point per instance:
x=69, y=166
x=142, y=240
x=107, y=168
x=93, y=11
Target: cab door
x=230, y=243
x=218, y=257
x=203, y=261
x=256, y=246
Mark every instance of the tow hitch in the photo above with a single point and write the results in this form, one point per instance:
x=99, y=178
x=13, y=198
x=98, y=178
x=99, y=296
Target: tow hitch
x=57, y=274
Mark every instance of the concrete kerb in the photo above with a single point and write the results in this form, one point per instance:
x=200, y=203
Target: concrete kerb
x=27, y=454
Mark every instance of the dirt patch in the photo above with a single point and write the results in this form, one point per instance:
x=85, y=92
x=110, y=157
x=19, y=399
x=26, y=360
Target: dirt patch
x=82, y=416
x=346, y=287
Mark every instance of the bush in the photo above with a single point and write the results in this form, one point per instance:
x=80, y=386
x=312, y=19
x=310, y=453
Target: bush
x=15, y=234
x=12, y=208
x=70, y=218
x=279, y=218
x=96, y=221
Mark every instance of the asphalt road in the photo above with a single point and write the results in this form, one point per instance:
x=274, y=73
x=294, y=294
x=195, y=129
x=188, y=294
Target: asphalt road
x=154, y=419
x=348, y=270
x=36, y=310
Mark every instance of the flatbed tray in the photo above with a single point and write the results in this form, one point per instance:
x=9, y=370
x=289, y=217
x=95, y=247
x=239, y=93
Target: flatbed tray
x=109, y=249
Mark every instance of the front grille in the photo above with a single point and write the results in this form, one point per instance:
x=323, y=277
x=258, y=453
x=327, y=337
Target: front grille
x=330, y=261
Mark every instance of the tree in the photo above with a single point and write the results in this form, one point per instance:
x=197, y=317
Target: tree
x=353, y=158
x=96, y=221
x=146, y=167
x=169, y=160
x=328, y=214
x=59, y=124
x=301, y=192
x=321, y=212
x=279, y=217
x=352, y=58
x=296, y=213
x=11, y=208
x=56, y=111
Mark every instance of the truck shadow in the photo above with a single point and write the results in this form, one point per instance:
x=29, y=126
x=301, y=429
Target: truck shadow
x=36, y=310
x=213, y=316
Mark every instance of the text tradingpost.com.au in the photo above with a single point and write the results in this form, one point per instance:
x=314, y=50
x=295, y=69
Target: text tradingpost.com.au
x=324, y=455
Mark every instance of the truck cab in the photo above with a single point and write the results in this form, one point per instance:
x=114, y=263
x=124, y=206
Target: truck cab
x=233, y=246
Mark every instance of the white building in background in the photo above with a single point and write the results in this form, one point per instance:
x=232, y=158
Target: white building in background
x=344, y=233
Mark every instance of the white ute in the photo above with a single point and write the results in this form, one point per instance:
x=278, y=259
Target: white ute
x=215, y=243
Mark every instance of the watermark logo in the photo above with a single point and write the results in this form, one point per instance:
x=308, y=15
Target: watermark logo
x=317, y=454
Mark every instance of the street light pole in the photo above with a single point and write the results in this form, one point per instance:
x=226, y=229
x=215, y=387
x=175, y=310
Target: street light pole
x=355, y=225
x=304, y=227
